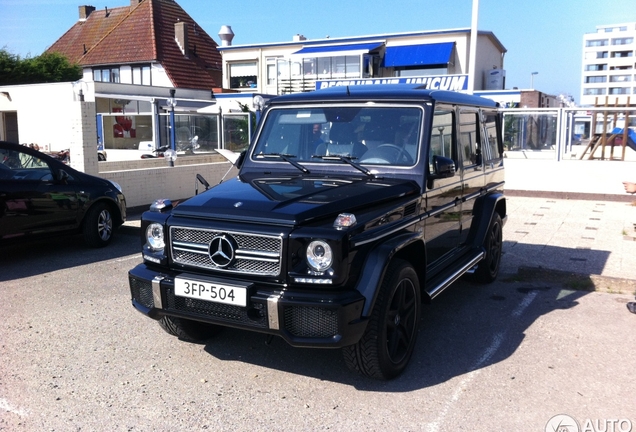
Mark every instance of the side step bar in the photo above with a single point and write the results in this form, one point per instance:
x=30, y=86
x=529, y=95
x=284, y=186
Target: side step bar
x=445, y=279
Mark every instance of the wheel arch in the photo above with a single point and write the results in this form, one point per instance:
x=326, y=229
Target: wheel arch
x=112, y=206
x=407, y=246
x=483, y=212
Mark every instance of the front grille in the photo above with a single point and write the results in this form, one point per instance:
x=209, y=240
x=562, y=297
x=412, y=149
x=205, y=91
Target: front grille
x=218, y=311
x=308, y=321
x=255, y=254
x=141, y=291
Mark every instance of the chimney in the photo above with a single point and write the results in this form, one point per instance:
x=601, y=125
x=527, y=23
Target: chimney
x=134, y=3
x=299, y=38
x=85, y=11
x=226, y=34
x=181, y=36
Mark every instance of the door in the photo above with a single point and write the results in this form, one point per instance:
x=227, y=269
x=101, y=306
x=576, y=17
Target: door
x=471, y=165
x=31, y=200
x=444, y=198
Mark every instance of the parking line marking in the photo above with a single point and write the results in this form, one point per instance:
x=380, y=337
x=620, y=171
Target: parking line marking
x=487, y=355
x=4, y=405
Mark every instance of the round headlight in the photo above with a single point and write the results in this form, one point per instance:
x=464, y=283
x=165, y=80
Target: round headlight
x=319, y=255
x=154, y=236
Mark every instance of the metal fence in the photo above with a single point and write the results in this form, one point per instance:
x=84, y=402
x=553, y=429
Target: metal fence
x=569, y=133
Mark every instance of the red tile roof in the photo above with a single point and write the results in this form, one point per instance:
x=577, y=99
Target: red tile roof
x=144, y=33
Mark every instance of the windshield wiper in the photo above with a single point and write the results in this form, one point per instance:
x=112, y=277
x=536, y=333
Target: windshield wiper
x=286, y=158
x=348, y=160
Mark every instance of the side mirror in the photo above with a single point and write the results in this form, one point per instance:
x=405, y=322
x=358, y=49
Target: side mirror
x=239, y=162
x=62, y=176
x=441, y=167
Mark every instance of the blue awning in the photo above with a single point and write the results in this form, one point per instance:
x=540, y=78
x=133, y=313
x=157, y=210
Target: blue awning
x=418, y=55
x=337, y=50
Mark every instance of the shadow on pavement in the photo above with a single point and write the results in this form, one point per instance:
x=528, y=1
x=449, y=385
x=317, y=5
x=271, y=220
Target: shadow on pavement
x=468, y=327
x=34, y=257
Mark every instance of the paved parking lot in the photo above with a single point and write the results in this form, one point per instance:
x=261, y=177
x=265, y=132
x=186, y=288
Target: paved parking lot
x=75, y=355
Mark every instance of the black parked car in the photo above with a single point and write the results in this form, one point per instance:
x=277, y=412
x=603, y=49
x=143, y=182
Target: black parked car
x=41, y=195
x=351, y=207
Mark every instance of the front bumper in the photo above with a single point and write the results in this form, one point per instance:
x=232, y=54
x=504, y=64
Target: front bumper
x=304, y=319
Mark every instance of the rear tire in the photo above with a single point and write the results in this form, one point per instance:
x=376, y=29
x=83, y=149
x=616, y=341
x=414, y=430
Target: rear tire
x=387, y=344
x=188, y=330
x=488, y=268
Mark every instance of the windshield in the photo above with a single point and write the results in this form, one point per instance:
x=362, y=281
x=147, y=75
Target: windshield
x=378, y=135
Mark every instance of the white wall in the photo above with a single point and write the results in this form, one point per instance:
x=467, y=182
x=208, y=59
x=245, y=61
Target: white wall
x=142, y=186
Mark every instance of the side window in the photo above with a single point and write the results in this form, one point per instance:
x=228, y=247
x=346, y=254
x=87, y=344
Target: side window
x=18, y=165
x=442, y=135
x=469, y=138
x=492, y=139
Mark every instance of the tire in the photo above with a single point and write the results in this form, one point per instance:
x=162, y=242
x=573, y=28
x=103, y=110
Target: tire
x=98, y=226
x=188, y=330
x=488, y=268
x=387, y=344
x=101, y=157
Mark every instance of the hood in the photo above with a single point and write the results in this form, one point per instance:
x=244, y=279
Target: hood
x=292, y=200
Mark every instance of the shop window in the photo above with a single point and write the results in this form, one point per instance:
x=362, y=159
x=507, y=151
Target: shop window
x=243, y=75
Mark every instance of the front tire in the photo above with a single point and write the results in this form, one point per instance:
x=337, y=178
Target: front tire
x=488, y=269
x=98, y=226
x=387, y=344
x=188, y=330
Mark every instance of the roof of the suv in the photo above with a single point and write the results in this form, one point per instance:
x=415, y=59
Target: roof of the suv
x=384, y=92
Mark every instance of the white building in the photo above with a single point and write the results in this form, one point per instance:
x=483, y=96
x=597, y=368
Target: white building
x=609, y=65
x=438, y=59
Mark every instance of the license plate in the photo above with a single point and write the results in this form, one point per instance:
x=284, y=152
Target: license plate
x=211, y=291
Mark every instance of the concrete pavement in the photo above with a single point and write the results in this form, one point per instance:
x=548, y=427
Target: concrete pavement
x=572, y=216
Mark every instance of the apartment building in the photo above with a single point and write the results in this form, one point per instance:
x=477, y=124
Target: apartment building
x=609, y=65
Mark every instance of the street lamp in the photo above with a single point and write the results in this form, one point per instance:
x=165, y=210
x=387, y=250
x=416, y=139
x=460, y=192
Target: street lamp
x=532, y=79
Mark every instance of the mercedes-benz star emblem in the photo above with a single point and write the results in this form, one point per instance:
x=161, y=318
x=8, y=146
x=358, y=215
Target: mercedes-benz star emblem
x=221, y=250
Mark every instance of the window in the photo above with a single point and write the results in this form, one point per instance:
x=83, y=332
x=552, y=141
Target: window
x=141, y=75
x=469, y=138
x=622, y=41
x=596, y=67
x=620, y=78
x=106, y=75
x=619, y=90
x=491, y=140
x=594, y=91
x=598, y=79
x=596, y=42
x=622, y=54
x=442, y=135
x=271, y=71
x=243, y=75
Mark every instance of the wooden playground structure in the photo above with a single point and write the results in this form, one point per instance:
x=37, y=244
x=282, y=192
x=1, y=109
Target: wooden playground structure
x=610, y=137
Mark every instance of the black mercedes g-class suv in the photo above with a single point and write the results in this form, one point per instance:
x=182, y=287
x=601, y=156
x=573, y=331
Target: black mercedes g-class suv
x=352, y=205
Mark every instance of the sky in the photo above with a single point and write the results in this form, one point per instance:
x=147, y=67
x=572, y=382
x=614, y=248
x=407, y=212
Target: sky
x=543, y=36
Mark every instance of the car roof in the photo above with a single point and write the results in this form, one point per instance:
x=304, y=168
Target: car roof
x=388, y=92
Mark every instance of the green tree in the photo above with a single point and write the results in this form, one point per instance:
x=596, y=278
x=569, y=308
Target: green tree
x=45, y=68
